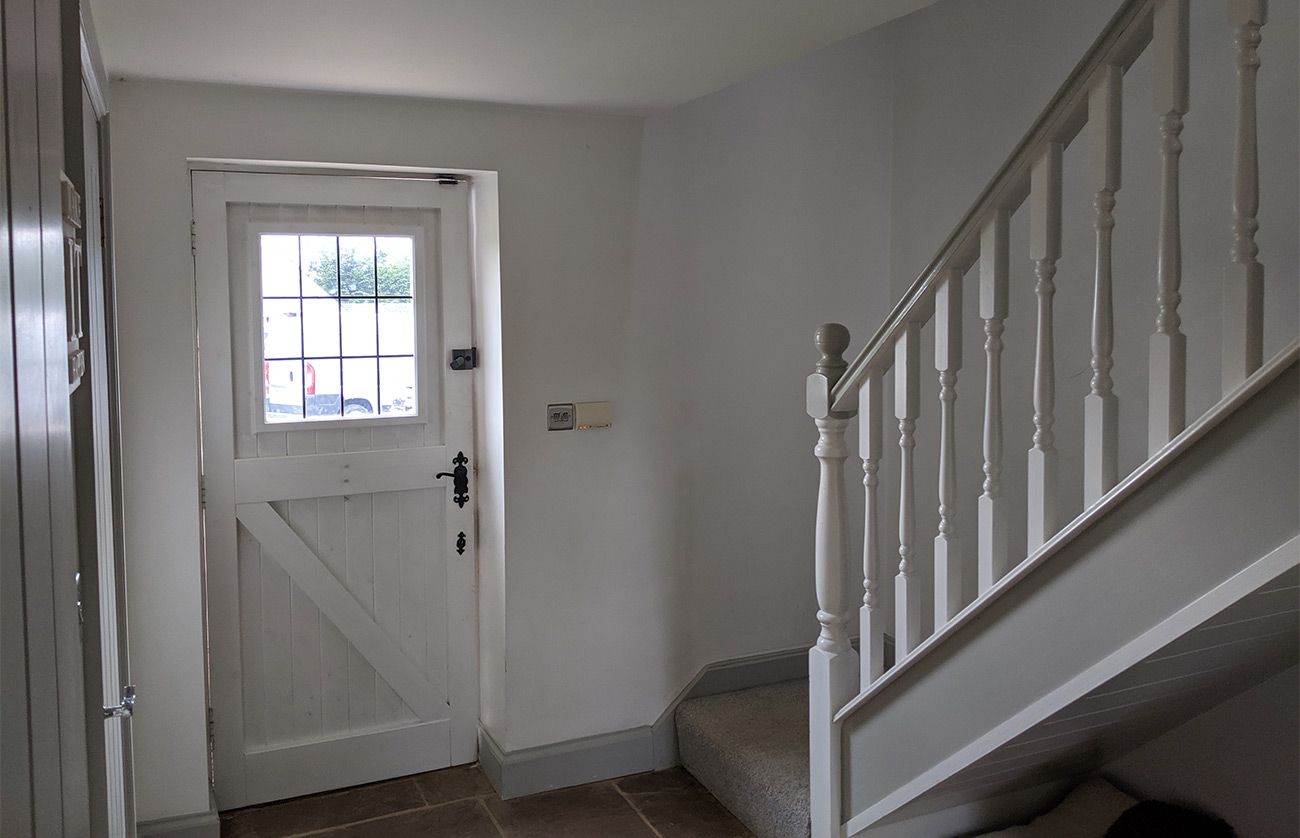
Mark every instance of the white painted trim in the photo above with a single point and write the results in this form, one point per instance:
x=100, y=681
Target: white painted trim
x=93, y=75
x=427, y=277
x=645, y=748
x=329, y=475
x=1139, y=477
x=1258, y=573
x=304, y=567
x=563, y=764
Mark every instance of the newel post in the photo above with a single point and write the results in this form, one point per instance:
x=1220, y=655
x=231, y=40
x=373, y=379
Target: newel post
x=832, y=663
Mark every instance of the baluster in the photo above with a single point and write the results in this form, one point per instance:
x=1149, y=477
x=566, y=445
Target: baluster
x=907, y=398
x=1168, y=384
x=1100, y=407
x=1044, y=250
x=1243, y=280
x=872, y=616
x=947, y=362
x=832, y=663
x=995, y=264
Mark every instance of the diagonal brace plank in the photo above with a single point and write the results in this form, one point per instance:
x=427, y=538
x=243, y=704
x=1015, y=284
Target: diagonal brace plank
x=337, y=603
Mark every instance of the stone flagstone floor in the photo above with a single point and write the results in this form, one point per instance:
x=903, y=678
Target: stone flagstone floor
x=460, y=803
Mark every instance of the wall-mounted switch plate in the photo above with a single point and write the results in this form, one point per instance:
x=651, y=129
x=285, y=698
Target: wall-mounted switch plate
x=559, y=417
x=592, y=415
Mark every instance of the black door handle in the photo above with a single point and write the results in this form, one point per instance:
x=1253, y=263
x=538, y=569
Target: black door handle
x=459, y=479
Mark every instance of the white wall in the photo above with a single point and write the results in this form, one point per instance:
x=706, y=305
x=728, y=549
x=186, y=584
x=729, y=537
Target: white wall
x=1238, y=761
x=763, y=215
x=581, y=650
x=819, y=190
x=677, y=267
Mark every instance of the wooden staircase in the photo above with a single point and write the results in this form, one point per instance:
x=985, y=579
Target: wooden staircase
x=1192, y=538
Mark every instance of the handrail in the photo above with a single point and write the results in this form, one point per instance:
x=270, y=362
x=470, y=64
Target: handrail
x=1120, y=43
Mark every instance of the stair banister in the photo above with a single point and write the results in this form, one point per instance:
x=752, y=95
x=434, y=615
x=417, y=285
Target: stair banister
x=1100, y=406
x=1168, y=414
x=947, y=361
x=995, y=256
x=1243, y=280
x=872, y=615
x=1044, y=250
x=837, y=391
x=1123, y=40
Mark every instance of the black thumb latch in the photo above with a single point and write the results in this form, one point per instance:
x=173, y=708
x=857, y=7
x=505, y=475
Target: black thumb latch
x=464, y=359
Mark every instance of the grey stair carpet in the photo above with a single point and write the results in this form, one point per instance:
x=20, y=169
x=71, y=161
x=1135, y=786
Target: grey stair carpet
x=750, y=748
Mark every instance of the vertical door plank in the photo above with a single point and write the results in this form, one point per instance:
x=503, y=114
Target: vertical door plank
x=412, y=563
x=387, y=580
x=277, y=655
x=305, y=625
x=332, y=535
x=360, y=580
x=250, y=639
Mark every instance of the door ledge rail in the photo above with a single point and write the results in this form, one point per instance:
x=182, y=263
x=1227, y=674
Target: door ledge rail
x=1120, y=43
x=1140, y=476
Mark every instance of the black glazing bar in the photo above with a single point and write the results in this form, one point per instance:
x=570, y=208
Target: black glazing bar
x=338, y=310
x=302, y=340
x=345, y=357
x=379, y=385
x=358, y=298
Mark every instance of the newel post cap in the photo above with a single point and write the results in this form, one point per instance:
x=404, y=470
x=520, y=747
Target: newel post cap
x=832, y=339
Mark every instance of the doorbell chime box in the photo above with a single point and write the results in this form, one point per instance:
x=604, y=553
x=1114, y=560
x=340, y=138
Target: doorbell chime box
x=585, y=416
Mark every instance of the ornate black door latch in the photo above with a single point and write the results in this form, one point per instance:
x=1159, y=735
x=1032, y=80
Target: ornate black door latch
x=459, y=479
x=460, y=542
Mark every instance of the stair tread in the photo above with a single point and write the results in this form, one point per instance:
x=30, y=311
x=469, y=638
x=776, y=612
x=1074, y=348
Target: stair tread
x=750, y=749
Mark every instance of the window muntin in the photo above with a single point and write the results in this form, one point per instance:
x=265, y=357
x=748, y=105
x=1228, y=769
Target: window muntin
x=338, y=327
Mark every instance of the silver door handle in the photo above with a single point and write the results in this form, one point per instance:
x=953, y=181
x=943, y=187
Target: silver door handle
x=124, y=710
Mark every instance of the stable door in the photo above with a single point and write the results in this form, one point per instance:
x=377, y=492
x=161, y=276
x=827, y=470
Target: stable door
x=337, y=427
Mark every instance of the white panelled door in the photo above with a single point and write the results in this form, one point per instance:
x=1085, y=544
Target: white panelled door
x=338, y=464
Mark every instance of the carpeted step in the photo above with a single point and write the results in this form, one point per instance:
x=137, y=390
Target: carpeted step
x=750, y=748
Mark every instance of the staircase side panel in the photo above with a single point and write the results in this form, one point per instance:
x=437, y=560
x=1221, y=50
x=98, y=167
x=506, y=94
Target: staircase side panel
x=1231, y=498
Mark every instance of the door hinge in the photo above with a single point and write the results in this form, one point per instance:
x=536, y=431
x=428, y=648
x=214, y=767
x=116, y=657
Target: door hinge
x=194, y=238
x=203, y=492
x=212, y=750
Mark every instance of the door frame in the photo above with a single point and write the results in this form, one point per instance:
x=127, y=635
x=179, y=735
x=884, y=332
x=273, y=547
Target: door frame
x=212, y=190
x=97, y=429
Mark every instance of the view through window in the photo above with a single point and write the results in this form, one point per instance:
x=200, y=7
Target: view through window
x=338, y=327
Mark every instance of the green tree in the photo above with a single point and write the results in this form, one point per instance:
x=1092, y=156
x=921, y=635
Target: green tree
x=357, y=274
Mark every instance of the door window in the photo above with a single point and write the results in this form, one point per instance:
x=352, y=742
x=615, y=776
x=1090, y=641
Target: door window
x=338, y=327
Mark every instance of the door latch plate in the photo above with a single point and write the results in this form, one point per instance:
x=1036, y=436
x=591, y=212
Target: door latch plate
x=464, y=359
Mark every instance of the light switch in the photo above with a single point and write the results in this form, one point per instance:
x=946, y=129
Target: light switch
x=591, y=415
x=559, y=417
